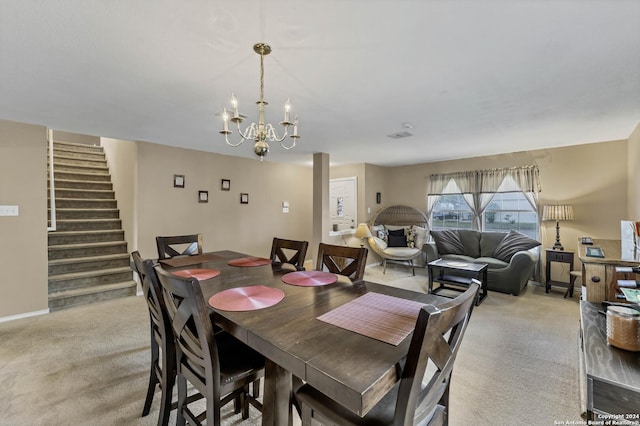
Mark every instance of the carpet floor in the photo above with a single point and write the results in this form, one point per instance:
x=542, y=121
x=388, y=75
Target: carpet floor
x=89, y=364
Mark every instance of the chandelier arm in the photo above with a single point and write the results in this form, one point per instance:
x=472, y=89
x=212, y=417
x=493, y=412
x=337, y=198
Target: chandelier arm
x=288, y=147
x=272, y=135
x=226, y=139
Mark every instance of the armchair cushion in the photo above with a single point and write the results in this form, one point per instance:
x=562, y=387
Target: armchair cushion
x=512, y=243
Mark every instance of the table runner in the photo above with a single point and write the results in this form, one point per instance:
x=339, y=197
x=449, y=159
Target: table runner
x=248, y=298
x=309, y=278
x=381, y=317
x=190, y=260
x=200, y=274
x=250, y=261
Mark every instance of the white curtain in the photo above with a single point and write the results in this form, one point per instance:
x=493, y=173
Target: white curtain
x=479, y=186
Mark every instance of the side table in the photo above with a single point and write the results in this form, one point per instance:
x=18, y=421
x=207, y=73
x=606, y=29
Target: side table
x=458, y=274
x=564, y=256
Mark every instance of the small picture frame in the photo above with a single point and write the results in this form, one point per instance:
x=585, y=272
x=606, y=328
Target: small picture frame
x=244, y=198
x=225, y=185
x=378, y=198
x=203, y=196
x=178, y=181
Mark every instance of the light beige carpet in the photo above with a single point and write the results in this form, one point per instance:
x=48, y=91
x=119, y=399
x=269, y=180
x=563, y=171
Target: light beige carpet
x=89, y=365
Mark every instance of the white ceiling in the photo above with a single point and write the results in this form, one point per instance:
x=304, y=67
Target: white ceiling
x=473, y=77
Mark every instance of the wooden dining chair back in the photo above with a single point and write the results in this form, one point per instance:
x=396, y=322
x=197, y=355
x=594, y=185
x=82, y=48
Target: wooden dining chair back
x=162, y=372
x=422, y=395
x=179, y=245
x=288, y=251
x=342, y=260
x=218, y=365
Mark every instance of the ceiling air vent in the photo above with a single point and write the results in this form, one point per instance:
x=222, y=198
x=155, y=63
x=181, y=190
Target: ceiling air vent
x=400, y=135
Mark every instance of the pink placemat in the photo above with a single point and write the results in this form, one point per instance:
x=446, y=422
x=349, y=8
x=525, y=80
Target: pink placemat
x=200, y=274
x=381, y=317
x=309, y=278
x=246, y=298
x=190, y=260
x=250, y=261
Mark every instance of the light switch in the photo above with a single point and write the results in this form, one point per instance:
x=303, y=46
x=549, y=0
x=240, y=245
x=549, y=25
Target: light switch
x=285, y=207
x=8, y=210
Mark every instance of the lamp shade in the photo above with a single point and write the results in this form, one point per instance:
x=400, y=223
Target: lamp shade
x=558, y=213
x=362, y=231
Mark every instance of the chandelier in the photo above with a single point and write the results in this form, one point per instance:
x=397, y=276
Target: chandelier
x=261, y=133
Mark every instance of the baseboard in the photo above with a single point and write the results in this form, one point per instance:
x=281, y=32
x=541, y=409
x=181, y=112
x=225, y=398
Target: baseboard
x=24, y=315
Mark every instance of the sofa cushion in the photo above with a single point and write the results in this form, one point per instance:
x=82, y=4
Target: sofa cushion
x=448, y=242
x=489, y=242
x=492, y=262
x=512, y=243
x=470, y=241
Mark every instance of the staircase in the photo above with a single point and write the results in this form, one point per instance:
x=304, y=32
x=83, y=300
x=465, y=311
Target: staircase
x=88, y=257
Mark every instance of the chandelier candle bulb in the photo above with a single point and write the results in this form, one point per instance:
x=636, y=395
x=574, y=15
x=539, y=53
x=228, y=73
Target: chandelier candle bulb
x=234, y=104
x=287, y=108
x=225, y=121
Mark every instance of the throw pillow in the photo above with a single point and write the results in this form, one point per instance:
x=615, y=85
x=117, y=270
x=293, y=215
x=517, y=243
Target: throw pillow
x=396, y=232
x=397, y=241
x=512, y=243
x=448, y=241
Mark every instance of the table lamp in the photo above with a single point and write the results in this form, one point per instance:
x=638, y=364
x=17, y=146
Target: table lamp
x=557, y=213
x=362, y=232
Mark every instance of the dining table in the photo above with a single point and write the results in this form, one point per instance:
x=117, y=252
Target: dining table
x=348, y=366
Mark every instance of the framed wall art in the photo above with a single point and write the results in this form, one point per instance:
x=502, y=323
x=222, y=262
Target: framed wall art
x=225, y=185
x=178, y=181
x=203, y=196
x=244, y=198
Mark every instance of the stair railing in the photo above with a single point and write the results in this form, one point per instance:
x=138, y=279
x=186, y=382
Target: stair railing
x=52, y=185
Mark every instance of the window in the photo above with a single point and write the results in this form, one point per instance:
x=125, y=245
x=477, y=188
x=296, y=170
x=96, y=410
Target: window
x=510, y=210
x=451, y=212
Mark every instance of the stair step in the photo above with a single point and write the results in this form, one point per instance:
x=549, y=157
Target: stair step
x=78, y=237
x=71, y=214
x=73, y=280
x=76, y=147
x=79, y=176
x=87, y=224
x=91, y=194
x=98, y=293
x=71, y=203
x=74, y=161
x=79, y=168
x=82, y=184
x=66, y=251
x=91, y=263
x=79, y=155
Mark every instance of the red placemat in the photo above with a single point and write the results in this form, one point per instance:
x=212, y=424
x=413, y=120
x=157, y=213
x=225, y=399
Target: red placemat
x=200, y=274
x=381, y=317
x=250, y=261
x=246, y=298
x=190, y=260
x=309, y=278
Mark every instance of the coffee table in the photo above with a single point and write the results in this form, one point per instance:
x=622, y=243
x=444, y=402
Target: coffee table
x=457, y=274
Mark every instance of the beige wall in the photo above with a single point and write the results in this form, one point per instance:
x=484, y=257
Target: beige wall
x=122, y=161
x=75, y=138
x=633, y=164
x=23, y=249
x=162, y=209
x=591, y=177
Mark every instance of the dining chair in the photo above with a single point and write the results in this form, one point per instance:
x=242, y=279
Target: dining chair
x=179, y=245
x=163, y=359
x=422, y=394
x=342, y=260
x=288, y=251
x=218, y=365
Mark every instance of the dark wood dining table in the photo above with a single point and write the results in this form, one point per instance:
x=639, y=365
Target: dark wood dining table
x=351, y=368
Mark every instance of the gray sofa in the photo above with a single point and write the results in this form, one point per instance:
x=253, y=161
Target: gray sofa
x=512, y=257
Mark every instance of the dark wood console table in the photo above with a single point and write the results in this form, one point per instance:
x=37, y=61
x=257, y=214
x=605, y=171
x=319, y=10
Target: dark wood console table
x=611, y=376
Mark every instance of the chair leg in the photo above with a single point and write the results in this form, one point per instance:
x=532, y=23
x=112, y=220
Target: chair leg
x=413, y=267
x=256, y=389
x=168, y=380
x=306, y=415
x=182, y=398
x=244, y=400
x=153, y=376
x=384, y=266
